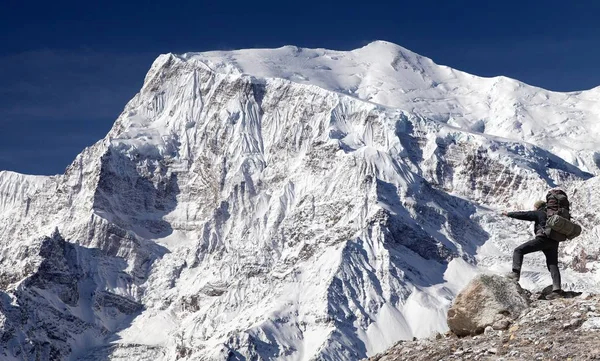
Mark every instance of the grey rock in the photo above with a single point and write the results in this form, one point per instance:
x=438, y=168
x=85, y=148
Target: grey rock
x=501, y=324
x=592, y=323
x=486, y=300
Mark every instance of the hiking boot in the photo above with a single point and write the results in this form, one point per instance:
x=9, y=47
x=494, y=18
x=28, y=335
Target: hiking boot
x=555, y=294
x=513, y=276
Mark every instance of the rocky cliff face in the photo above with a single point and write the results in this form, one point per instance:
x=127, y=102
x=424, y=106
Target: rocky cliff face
x=64, y=305
x=289, y=204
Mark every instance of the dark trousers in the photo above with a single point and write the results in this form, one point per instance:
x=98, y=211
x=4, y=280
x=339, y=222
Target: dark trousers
x=550, y=249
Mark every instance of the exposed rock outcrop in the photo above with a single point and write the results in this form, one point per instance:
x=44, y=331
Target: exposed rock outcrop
x=487, y=300
x=562, y=329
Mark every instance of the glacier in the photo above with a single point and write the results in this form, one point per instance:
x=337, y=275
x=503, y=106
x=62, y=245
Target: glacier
x=289, y=204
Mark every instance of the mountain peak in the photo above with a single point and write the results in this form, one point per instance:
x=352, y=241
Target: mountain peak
x=389, y=75
x=286, y=204
x=382, y=46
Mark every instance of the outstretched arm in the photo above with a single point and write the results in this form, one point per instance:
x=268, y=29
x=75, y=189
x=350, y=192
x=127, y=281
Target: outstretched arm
x=524, y=216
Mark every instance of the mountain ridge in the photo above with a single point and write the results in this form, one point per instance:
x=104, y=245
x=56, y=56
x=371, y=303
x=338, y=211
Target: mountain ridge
x=395, y=87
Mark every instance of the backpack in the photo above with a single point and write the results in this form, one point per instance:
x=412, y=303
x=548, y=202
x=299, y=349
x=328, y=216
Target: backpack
x=558, y=225
x=557, y=202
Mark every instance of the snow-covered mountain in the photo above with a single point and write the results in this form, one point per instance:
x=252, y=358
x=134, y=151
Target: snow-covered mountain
x=289, y=204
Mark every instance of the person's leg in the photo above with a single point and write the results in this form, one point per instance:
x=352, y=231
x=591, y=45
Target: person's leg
x=534, y=245
x=551, y=254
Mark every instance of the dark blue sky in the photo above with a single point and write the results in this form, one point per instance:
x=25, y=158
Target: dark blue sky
x=68, y=68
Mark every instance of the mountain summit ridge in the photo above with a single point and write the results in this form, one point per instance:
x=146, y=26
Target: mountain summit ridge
x=392, y=76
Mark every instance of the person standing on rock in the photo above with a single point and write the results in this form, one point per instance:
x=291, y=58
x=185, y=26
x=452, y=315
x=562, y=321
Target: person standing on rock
x=540, y=243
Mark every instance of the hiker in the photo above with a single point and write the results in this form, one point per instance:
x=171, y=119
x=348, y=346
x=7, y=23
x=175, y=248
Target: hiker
x=540, y=243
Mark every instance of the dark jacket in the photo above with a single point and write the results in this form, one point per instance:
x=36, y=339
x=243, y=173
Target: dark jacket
x=538, y=216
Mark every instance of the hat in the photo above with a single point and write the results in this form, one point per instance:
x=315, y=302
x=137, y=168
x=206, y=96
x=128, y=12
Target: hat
x=539, y=204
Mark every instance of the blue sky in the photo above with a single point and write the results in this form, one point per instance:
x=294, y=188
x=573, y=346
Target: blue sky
x=67, y=68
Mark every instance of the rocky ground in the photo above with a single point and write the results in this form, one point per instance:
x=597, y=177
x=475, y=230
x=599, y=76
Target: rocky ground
x=561, y=329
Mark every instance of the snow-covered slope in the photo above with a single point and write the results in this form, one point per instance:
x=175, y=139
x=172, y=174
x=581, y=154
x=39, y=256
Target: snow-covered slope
x=387, y=74
x=289, y=204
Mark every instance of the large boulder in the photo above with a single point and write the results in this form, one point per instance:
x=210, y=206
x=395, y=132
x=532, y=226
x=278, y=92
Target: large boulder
x=487, y=300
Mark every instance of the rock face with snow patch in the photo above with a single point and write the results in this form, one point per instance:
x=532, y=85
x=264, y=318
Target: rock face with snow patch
x=62, y=304
x=287, y=204
x=487, y=300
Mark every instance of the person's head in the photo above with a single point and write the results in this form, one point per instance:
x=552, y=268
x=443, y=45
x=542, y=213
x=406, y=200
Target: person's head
x=539, y=204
